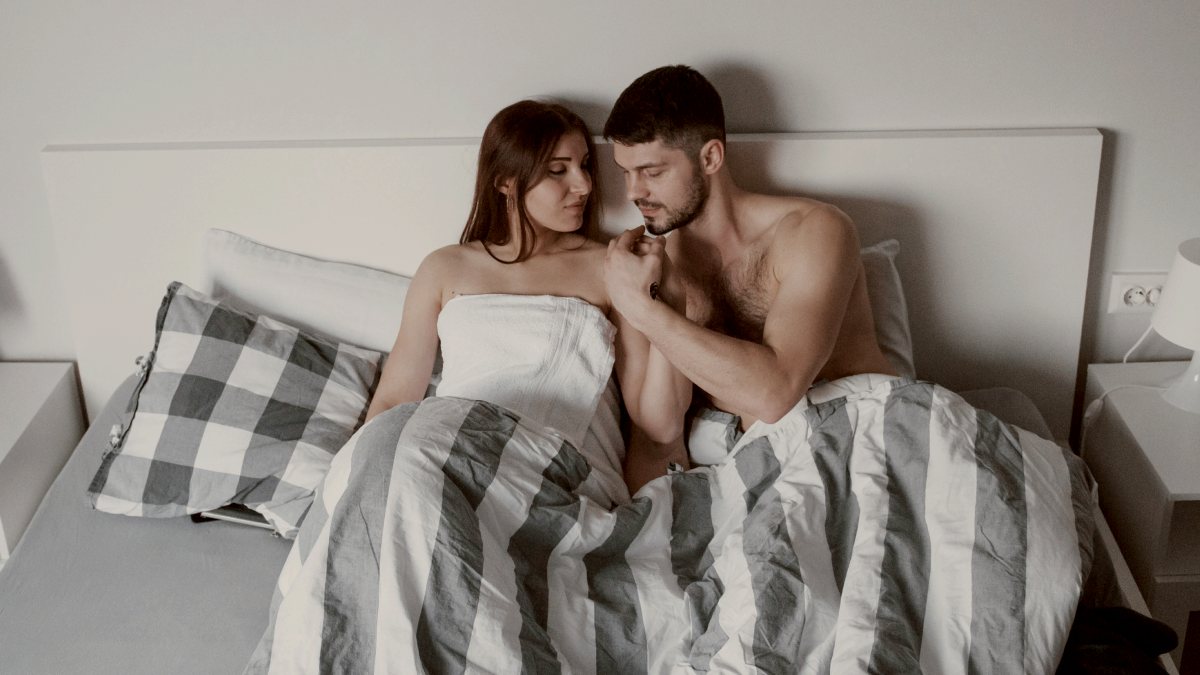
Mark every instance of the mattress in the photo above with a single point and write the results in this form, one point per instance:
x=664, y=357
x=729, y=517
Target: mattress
x=91, y=592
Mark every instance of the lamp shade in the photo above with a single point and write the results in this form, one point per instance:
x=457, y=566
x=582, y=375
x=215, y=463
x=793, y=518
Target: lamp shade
x=1177, y=318
x=1177, y=315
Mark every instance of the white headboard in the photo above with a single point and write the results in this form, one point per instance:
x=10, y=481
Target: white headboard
x=995, y=227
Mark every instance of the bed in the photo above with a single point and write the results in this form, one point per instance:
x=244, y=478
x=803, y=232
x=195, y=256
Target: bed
x=91, y=591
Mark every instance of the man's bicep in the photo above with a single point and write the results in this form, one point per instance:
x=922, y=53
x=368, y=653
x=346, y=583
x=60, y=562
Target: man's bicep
x=805, y=317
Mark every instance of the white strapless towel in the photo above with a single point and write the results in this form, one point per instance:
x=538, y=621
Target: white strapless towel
x=549, y=358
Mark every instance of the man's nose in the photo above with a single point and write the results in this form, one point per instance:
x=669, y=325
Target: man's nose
x=635, y=189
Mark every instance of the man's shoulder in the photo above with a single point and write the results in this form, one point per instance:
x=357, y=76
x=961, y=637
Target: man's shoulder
x=807, y=228
x=789, y=211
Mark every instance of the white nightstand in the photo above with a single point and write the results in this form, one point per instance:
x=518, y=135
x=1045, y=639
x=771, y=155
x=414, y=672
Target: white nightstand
x=1145, y=455
x=40, y=422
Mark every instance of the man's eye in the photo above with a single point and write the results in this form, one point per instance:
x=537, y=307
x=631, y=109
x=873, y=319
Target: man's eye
x=654, y=174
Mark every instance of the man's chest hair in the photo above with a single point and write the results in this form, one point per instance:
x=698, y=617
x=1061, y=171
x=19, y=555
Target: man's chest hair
x=731, y=299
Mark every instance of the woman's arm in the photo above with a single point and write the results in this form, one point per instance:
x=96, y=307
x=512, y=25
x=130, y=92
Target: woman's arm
x=657, y=397
x=656, y=394
x=647, y=459
x=410, y=363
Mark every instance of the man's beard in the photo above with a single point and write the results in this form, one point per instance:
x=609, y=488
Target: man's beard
x=674, y=219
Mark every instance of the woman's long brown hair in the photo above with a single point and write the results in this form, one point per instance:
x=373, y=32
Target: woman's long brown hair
x=516, y=146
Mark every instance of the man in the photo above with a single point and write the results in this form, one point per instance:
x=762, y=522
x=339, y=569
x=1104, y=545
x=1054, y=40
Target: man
x=752, y=297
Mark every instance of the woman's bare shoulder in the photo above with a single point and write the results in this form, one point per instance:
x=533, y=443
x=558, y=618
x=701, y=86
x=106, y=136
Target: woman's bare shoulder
x=452, y=255
x=592, y=254
x=445, y=264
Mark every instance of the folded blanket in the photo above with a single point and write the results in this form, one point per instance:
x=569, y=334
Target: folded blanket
x=891, y=529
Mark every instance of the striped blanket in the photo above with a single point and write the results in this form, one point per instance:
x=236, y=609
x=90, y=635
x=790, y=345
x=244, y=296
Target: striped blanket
x=892, y=530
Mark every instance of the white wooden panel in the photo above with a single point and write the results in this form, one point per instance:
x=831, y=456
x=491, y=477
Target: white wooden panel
x=995, y=226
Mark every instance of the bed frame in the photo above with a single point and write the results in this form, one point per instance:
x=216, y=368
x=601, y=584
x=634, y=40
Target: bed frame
x=995, y=229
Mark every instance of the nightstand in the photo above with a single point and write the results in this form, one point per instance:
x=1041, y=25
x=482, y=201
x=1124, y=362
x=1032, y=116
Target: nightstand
x=41, y=421
x=1145, y=455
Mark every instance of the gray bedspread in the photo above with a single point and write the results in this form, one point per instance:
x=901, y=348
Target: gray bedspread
x=91, y=592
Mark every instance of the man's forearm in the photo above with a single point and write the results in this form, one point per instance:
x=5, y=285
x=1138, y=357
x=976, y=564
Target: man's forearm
x=745, y=376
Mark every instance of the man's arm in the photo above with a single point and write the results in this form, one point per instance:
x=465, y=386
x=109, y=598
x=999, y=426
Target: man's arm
x=816, y=263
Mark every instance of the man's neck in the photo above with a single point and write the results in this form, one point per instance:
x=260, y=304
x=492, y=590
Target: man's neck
x=718, y=224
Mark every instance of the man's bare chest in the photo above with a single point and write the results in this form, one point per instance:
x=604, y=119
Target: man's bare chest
x=732, y=299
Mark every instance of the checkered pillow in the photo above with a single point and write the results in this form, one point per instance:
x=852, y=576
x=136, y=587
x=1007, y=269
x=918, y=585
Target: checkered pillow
x=232, y=408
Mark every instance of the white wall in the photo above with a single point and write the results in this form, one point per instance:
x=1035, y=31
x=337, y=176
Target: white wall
x=88, y=72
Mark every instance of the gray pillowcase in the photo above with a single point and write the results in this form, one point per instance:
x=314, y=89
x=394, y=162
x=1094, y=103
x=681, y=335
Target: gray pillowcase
x=888, y=306
x=232, y=408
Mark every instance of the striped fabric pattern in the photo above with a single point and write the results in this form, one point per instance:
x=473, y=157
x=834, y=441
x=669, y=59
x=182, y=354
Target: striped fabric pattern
x=895, y=529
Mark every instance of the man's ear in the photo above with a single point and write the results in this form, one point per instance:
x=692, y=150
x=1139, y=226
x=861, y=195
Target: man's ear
x=712, y=156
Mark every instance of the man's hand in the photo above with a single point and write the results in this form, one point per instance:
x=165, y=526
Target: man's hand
x=635, y=262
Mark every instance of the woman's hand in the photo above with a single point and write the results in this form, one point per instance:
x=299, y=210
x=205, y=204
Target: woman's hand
x=633, y=265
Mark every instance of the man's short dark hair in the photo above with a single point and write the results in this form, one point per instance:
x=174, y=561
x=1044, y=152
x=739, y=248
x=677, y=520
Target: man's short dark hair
x=673, y=104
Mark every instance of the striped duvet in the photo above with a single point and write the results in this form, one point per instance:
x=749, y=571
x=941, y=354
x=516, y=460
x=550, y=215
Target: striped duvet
x=892, y=530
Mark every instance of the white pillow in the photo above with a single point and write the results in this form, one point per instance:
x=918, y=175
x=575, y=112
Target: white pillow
x=347, y=302
x=888, y=306
x=362, y=306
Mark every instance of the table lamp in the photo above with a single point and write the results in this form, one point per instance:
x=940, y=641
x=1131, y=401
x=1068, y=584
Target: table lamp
x=1177, y=318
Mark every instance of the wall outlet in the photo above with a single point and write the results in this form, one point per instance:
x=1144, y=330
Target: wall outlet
x=1134, y=292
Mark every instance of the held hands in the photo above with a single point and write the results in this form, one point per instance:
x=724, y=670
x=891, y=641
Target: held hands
x=634, y=264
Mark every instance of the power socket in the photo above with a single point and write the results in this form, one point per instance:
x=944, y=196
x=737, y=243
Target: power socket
x=1134, y=292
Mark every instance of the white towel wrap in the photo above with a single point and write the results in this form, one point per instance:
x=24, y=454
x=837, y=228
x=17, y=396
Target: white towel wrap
x=547, y=357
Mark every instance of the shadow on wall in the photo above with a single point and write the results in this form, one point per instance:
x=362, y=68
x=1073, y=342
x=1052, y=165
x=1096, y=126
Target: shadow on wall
x=747, y=96
x=10, y=305
x=593, y=111
x=1109, y=152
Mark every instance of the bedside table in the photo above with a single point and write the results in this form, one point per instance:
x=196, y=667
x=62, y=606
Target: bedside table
x=1145, y=455
x=41, y=420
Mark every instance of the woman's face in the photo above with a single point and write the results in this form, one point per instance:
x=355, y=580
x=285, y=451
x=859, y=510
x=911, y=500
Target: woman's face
x=557, y=201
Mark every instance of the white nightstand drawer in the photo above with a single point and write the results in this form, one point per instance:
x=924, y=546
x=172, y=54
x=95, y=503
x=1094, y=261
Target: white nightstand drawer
x=1182, y=554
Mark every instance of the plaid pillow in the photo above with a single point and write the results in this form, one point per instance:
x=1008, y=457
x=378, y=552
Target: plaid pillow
x=232, y=408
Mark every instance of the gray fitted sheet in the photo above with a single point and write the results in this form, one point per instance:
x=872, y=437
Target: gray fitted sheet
x=91, y=592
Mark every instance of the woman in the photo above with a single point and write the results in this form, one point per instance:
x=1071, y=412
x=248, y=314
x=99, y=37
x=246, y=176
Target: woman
x=519, y=306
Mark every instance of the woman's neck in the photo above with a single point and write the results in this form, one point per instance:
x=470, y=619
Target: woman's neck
x=544, y=241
